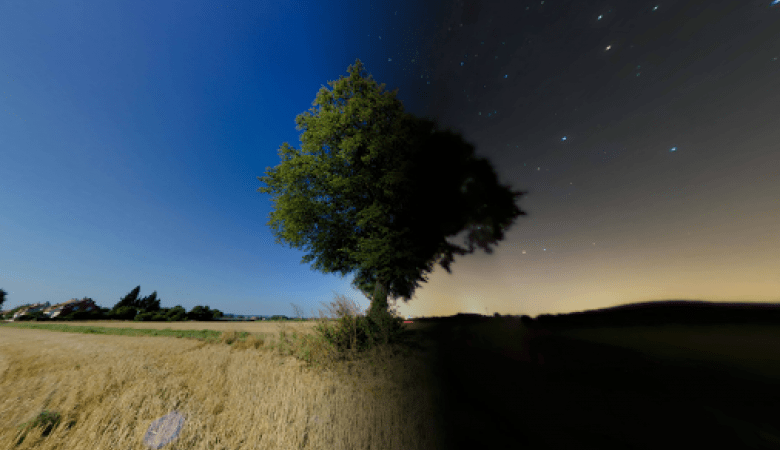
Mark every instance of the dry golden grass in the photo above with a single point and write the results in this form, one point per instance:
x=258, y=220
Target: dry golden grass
x=258, y=327
x=108, y=389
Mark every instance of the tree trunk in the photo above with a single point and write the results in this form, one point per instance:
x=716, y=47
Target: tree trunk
x=379, y=302
x=378, y=311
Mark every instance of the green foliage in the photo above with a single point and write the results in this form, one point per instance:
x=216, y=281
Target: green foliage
x=351, y=335
x=348, y=333
x=79, y=315
x=144, y=317
x=131, y=299
x=124, y=313
x=151, y=316
x=204, y=313
x=150, y=303
x=377, y=191
x=361, y=333
x=176, y=313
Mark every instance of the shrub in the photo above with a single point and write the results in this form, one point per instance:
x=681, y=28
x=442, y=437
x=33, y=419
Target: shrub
x=144, y=317
x=354, y=333
x=78, y=315
x=123, y=313
x=96, y=314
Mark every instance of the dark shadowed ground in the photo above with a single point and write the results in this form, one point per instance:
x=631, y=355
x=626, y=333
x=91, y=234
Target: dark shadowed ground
x=595, y=396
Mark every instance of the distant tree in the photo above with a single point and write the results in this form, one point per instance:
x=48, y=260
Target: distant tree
x=124, y=313
x=131, y=299
x=377, y=191
x=204, y=313
x=150, y=303
x=144, y=317
x=298, y=311
x=2, y=298
x=176, y=313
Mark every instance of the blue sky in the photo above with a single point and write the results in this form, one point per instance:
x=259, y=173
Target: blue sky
x=132, y=137
x=133, y=133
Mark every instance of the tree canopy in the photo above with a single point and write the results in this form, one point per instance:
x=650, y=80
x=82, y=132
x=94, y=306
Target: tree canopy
x=376, y=191
x=148, y=303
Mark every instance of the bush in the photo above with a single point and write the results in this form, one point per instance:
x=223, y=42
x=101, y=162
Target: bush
x=96, y=314
x=177, y=313
x=78, y=315
x=144, y=317
x=202, y=313
x=359, y=333
x=349, y=333
x=123, y=313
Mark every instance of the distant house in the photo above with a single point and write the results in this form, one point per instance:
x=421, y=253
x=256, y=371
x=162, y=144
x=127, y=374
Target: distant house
x=30, y=309
x=72, y=305
x=59, y=310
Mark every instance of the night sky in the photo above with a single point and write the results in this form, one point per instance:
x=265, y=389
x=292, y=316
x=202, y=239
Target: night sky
x=646, y=135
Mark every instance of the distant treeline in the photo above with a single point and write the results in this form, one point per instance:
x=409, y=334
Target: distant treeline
x=130, y=307
x=669, y=312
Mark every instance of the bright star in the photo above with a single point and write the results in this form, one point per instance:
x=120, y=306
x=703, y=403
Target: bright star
x=673, y=149
x=608, y=47
x=599, y=17
x=563, y=138
x=776, y=2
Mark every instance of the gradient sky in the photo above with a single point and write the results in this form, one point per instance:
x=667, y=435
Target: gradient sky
x=647, y=135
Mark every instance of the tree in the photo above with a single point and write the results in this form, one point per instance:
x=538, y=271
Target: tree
x=297, y=311
x=177, y=313
x=204, y=313
x=377, y=191
x=150, y=303
x=2, y=297
x=131, y=299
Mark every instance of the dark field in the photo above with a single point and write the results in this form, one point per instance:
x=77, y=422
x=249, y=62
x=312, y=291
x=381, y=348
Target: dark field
x=664, y=387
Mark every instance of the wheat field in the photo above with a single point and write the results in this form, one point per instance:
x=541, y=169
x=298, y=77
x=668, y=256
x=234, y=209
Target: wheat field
x=108, y=389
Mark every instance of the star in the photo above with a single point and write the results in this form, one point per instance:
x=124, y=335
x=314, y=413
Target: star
x=563, y=138
x=608, y=47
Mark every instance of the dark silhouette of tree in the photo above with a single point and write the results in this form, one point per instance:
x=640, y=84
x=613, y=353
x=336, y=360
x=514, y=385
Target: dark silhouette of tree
x=2, y=297
x=377, y=191
x=204, y=313
x=131, y=299
x=150, y=303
